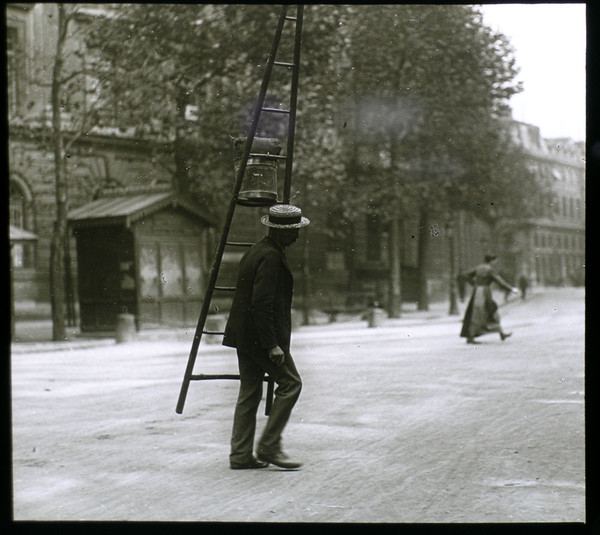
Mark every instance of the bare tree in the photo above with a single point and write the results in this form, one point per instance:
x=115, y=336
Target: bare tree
x=72, y=116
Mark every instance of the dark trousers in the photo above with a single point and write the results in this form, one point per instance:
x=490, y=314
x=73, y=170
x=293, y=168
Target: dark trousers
x=253, y=366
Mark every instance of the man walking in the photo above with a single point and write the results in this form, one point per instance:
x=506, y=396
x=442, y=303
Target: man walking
x=259, y=327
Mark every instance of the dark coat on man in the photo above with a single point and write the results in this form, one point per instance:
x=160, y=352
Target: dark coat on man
x=260, y=315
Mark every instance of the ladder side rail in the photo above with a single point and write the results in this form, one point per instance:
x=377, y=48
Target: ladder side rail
x=229, y=217
x=287, y=185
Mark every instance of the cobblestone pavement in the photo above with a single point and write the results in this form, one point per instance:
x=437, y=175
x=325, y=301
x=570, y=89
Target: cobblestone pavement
x=403, y=423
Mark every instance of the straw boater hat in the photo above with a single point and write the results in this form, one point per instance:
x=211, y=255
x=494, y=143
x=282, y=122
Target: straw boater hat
x=284, y=216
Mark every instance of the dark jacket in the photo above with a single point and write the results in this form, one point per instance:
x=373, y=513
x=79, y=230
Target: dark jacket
x=261, y=310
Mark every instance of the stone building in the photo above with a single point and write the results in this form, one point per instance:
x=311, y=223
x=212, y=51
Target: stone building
x=550, y=250
x=99, y=162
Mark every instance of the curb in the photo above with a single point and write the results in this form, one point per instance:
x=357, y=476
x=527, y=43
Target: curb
x=409, y=318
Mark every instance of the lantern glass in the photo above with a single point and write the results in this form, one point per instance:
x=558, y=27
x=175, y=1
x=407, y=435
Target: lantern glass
x=259, y=185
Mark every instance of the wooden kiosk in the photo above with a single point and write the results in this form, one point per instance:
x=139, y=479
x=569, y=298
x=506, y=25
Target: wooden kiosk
x=142, y=254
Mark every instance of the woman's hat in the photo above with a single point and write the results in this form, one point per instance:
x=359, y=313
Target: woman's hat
x=284, y=216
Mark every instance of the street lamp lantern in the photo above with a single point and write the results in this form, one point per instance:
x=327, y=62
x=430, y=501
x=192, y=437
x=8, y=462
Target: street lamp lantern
x=259, y=185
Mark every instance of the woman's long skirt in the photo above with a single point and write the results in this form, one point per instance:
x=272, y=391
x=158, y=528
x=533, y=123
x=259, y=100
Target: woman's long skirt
x=481, y=316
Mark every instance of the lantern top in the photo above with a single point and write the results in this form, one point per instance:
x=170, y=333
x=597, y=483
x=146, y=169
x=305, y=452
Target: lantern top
x=264, y=145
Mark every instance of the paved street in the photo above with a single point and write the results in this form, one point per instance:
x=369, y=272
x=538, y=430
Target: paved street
x=402, y=423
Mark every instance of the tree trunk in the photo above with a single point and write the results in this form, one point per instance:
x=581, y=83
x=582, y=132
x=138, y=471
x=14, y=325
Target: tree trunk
x=57, y=245
x=306, y=275
x=395, y=293
x=57, y=287
x=423, y=245
x=395, y=298
x=453, y=310
x=69, y=293
x=181, y=177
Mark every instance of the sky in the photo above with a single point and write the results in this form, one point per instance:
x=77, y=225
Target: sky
x=550, y=48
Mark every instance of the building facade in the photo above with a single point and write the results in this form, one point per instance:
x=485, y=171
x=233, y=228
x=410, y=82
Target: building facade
x=550, y=250
x=98, y=162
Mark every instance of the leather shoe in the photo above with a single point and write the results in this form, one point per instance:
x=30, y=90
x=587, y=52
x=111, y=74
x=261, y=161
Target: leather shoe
x=249, y=465
x=279, y=459
x=504, y=336
x=472, y=341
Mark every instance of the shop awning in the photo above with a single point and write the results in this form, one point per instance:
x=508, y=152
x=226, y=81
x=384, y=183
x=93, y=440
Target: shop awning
x=19, y=235
x=125, y=209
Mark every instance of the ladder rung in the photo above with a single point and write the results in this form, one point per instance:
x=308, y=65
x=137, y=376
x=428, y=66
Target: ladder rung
x=213, y=332
x=275, y=110
x=264, y=155
x=239, y=244
x=283, y=64
x=202, y=376
x=225, y=288
x=290, y=18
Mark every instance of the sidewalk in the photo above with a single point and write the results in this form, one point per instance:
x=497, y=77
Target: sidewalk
x=36, y=335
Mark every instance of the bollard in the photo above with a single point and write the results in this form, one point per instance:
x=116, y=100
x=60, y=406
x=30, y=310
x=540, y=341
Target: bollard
x=125, y=328
x=214, y=323
x=376, y=317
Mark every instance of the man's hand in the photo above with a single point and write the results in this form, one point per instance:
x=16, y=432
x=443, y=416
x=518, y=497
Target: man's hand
x=277, y=355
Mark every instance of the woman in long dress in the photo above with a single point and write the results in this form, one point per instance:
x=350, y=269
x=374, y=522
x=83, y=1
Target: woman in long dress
x=481, y=316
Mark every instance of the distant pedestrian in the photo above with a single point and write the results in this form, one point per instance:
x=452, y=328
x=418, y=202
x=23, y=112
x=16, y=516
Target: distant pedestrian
x=481, y=316
x=259, y=327
x=507, y=290
x=523, y=285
